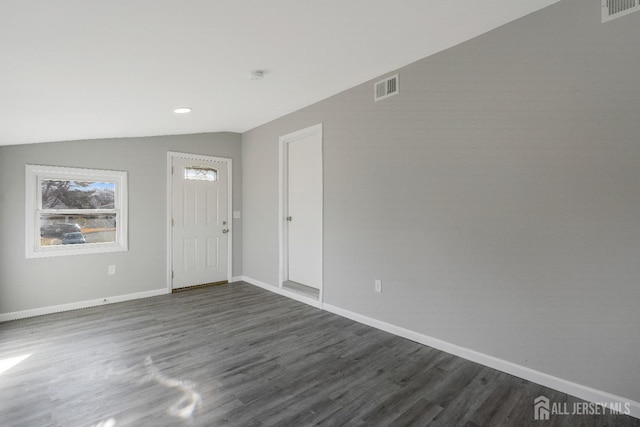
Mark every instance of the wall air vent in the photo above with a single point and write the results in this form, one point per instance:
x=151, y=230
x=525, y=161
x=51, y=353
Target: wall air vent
x=612, y=9
x=386, y=88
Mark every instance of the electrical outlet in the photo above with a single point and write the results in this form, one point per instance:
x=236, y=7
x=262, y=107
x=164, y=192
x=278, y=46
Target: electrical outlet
x=111, y=270
x=378, y=285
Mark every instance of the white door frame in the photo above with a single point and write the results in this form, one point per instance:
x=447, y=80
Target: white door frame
x=198, y=157
x=283, y=196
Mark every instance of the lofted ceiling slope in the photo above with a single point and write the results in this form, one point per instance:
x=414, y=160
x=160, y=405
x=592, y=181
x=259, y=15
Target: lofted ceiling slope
x=77, y=69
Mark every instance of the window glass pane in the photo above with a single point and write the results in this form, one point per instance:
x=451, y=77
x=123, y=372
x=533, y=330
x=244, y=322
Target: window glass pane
x=58, y=194
x=57, y=229
x=73, y=211
x=200, y=173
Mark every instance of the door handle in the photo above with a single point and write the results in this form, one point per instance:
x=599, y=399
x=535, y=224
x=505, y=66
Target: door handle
x=225, y=231
x=289, y=218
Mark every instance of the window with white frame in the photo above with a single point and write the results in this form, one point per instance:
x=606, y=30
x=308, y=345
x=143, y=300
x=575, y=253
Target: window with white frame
x=72, y=211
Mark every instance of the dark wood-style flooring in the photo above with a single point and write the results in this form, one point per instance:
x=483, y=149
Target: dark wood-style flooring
x=236, y=355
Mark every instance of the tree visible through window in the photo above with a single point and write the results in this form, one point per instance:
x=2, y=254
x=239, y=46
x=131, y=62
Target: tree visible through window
x=60, y=225
x=77, y=194
x=76, y=209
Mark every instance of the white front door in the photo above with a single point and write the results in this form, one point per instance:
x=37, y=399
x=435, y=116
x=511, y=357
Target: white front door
x=200, y=229
x=304, y=207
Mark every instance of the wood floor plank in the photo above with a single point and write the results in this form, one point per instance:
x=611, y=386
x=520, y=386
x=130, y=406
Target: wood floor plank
x=236, y=355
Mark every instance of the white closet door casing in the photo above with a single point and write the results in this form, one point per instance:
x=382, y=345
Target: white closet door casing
x=304, y=195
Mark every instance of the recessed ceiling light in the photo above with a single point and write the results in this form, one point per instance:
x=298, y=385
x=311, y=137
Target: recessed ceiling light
x=182, y=110
x=256, y=75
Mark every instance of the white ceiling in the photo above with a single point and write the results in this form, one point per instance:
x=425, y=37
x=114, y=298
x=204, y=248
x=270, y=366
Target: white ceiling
x=78, y=69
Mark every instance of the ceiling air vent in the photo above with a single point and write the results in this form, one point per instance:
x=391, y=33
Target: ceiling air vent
x=386, y=88
x=612, y=9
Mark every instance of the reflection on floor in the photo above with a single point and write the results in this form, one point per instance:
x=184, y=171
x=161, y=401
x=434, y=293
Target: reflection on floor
x=6, y=364
x=189, y=400
x=237, y=355
x=105, y=423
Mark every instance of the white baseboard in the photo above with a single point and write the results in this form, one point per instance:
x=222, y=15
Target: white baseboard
x=559, y=384
x=275, y=289
x=80, y=304
x=235, y=279
x=562, y=385
x=577, y=390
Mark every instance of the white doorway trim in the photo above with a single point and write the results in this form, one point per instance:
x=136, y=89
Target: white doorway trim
x=282, y=206
x=229, y=162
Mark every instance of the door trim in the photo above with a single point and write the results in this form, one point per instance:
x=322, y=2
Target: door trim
x=199, y=157
x=282, y=206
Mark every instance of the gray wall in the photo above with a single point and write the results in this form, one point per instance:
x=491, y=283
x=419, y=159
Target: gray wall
x=36, y=283
x=497, y=196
